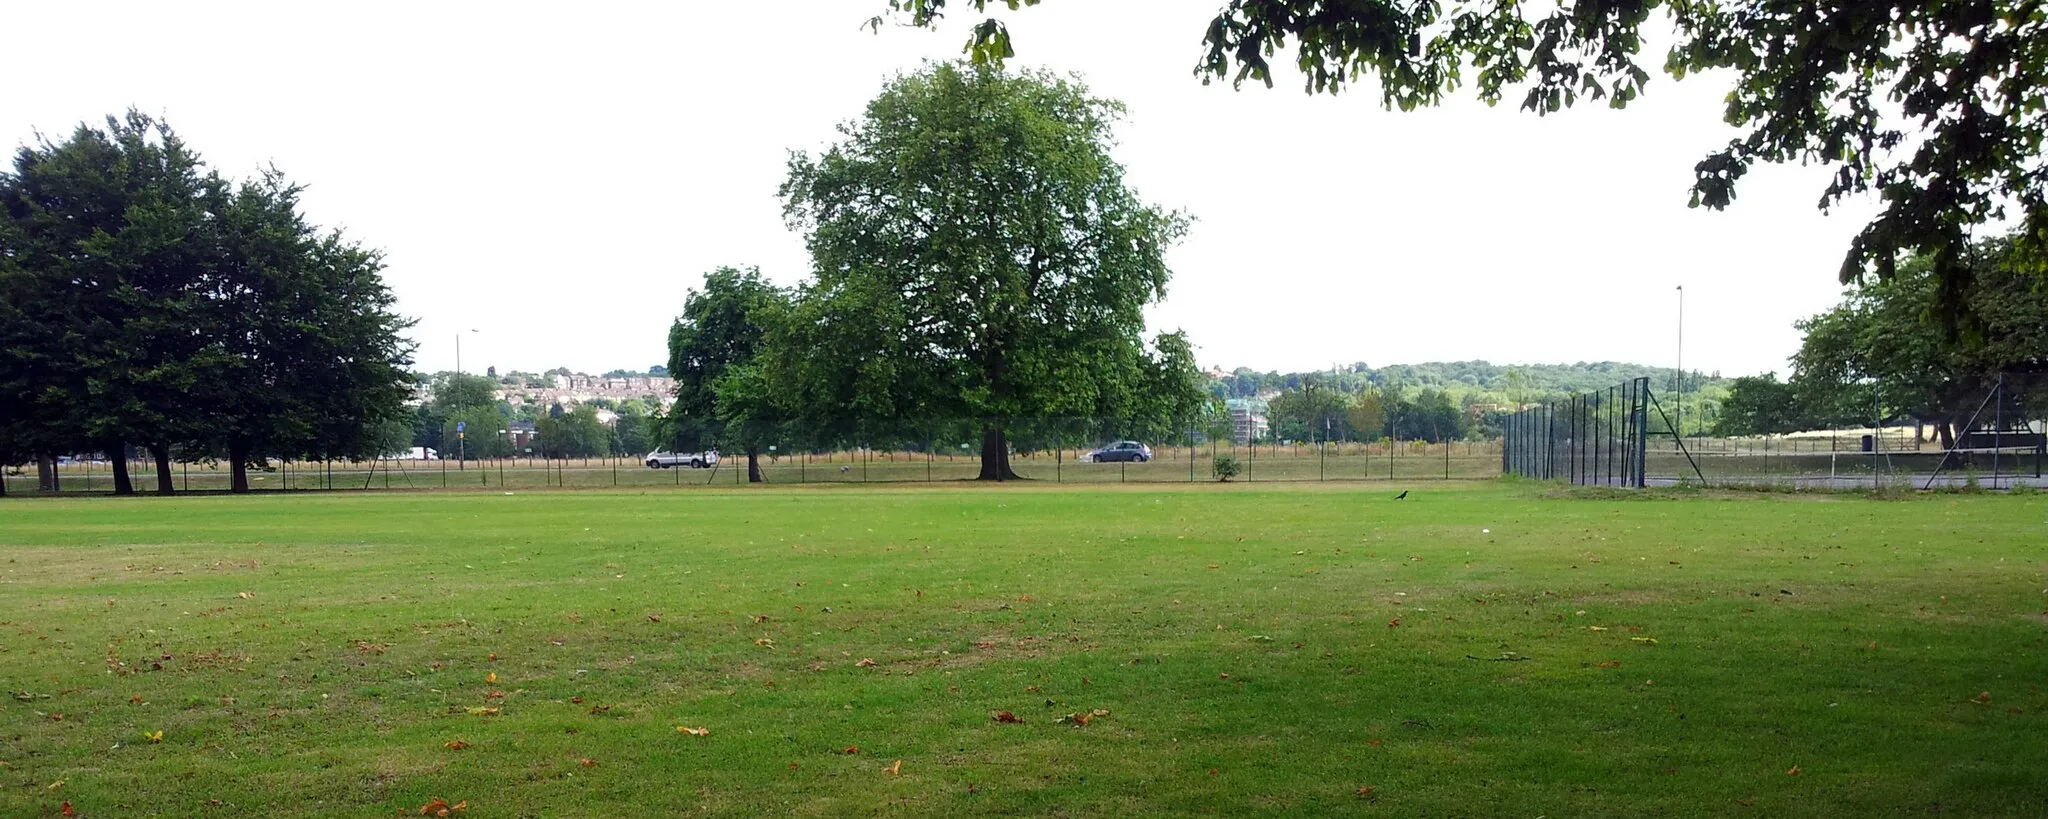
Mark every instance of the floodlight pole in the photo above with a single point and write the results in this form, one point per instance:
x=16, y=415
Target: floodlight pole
x=1677, y=428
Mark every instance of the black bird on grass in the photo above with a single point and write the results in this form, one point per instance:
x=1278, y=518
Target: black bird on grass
x=1402, y=496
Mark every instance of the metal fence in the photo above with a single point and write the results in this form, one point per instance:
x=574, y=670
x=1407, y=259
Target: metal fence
x=1040, y=451
x=1992, y=435
x=1592, y=438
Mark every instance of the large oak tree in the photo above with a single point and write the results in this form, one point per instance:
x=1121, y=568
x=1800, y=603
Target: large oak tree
x=977, y=257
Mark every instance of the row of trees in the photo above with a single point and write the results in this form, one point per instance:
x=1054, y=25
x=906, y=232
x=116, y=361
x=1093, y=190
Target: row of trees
x=977, y=260
x=1318, y=411
x=1469, y=381
x=147, y=301
x=1879, y=356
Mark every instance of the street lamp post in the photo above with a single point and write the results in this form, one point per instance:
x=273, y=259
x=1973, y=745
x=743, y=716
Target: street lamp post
x=458, y=352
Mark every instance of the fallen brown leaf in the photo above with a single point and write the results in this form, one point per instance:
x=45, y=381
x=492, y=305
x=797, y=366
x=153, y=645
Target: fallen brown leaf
x=494, y=695
x=575, y=700
x=1793, y=772
x=851, y=750
x=455, y=745
x=654, y=618
x=483, y=712
x=864, y=662
x=895, y=768
x=1394, y=623
x=1005, y=716
x=699, y=731
x=491, y=677
x=587, y=762
x=1365, y=791
x=1982, y=698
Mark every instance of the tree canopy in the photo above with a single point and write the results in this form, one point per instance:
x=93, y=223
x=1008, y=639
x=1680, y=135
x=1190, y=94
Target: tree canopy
x=146, y=301
x=1936, y=106
x=711, y=348
x=977, y=257
x=1878, y=356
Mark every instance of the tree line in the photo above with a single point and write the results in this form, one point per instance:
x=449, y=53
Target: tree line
x=979, y=271
x=1321, y=411
x=1881, y=357
x=148, y=302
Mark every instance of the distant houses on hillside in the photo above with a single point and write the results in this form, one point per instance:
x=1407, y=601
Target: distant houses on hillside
x=570, y=390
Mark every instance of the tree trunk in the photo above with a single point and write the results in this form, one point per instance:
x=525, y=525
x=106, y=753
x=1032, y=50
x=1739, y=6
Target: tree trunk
x=117, y=454
x=162, y=454
x=238, y=467
x=46, y=473
x=753, y=465
x=995, y=456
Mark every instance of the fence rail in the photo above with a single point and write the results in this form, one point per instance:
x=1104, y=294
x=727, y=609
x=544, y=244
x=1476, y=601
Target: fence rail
x=1331, y=461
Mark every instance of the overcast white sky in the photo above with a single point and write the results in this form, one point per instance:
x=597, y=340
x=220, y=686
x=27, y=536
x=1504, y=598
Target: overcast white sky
x=557, y=176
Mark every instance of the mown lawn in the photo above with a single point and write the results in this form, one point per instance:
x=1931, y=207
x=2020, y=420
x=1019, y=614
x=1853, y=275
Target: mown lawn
x=1285, y=650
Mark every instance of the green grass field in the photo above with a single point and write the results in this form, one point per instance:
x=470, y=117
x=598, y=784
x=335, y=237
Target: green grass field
x=1284, y=650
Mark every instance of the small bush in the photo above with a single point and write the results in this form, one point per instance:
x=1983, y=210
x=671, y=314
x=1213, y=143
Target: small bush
x=1226, y=468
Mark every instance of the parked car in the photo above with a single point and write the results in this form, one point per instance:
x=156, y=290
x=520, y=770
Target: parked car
x=1131, y=451
x=663, y=459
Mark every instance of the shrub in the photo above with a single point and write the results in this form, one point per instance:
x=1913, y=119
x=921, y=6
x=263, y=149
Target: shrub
x=1226, y=468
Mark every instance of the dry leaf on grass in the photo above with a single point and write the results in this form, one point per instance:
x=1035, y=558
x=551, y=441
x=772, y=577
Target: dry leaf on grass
x=153, y=736
x=245, y=595
x=440, y=807
x=1793, y=772
x=483, y=712
x=491, y=677
x=1005, y=716
x=1645, y=640
x=699, y=731
x=1366, y=792
x=895, y=768
x=455, y=745
x=864, y=662
x=1611, y=664
x=65, y=810
x=587, y=762
x=765, y=643
x=1982, y=698
x=851, y=750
